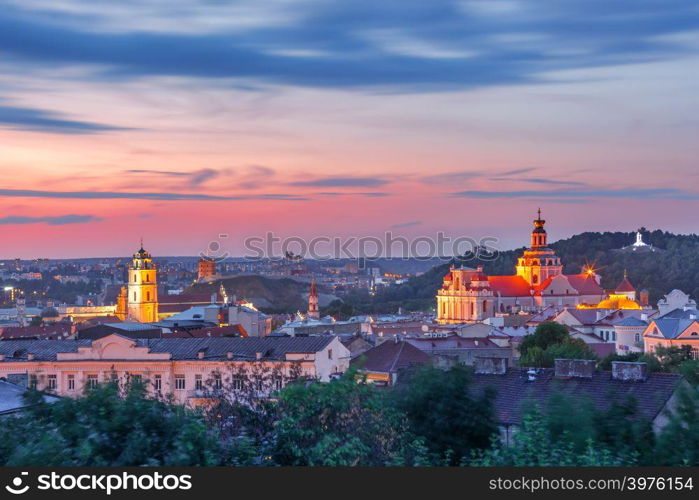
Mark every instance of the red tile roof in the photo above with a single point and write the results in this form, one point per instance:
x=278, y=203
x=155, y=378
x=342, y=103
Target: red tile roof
x=510, y=286
x=625, y=286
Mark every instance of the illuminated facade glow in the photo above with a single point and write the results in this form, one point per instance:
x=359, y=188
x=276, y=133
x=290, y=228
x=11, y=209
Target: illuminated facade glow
x=469, y=295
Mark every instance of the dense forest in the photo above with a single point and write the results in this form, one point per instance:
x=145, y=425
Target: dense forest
x=674, y=264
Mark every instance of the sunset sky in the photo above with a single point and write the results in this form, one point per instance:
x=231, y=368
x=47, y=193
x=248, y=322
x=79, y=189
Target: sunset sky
x=177, y=120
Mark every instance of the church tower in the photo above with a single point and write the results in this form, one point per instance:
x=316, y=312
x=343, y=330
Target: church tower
x=538, y=262
x=313, y=312
x=142, y=288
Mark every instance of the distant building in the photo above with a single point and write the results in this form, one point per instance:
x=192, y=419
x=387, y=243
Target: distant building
x=469, y=295
x=639, y=245
x=206, y=269
x=382, y=364
x=515, y=388
x=676, y=299
x=675, y=329
x=313, y=311
x=179, y=367
x=142, y=301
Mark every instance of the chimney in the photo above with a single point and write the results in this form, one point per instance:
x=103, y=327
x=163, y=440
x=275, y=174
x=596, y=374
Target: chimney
x=229, y=354
x=30, y=356
x=200, y=354
x=644, y=317
x=601, y=313
x=490, y=365
x=692, y=316
x=629, y=371
x=574, y=368
x=2, y=357
x=258, y=355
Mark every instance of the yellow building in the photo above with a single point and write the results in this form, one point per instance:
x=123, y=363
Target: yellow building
x=142, y=292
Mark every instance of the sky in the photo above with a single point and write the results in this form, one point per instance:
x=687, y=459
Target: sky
x=181, y=120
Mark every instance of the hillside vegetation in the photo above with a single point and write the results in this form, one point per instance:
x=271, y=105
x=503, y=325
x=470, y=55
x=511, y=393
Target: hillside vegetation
x=674, y=265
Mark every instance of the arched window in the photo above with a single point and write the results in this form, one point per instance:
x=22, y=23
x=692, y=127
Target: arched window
x=134, y=296
x=135, y=277
x=147, y=296
x=485, y=306
x=535, y=279
x=147, y=277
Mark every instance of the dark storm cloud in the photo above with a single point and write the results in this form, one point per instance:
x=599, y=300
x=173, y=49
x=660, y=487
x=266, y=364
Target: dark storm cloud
x=402, y=45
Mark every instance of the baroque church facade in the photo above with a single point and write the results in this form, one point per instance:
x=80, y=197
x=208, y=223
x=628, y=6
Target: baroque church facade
x=469, y=295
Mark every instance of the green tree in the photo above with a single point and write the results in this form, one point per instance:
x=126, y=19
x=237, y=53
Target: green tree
x=340, y=423
x=678, y=442
x=545, y=335
x=545, y=357
x=107, y=427
x=440, y=408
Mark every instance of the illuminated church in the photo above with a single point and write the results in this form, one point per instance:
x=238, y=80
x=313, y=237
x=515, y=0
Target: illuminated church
x=139, y=300
x=469, y=295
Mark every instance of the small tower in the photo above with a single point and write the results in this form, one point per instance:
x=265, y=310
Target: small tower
x=539, y=233
x=122, y=304
x=538, y=262
x=142, y=288
x=626, y=288
x=313, y=312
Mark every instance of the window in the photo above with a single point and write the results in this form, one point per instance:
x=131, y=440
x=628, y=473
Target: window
x=278, y=383
x=92, y=381
x=71, y=382
x=198, y=383
x=51, y=385
x=237, y=382
x=330, y=354
x=217, y=381
x=180, y=382
x=157, y=383
x=637, y=337
x=259, y=385
x=535, y=279
x=32, y=381
x=147, y=296
x=134, y=296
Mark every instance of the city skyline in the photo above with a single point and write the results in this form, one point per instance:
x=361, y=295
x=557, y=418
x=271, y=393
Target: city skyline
x=309, y=119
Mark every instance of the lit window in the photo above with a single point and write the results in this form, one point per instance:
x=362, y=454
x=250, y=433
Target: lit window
x=180, y=382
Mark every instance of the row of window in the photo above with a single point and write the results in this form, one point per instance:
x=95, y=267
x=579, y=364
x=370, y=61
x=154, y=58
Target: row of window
x=92, y=380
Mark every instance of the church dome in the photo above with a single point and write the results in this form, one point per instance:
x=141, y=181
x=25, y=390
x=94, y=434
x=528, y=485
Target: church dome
x=618, y=302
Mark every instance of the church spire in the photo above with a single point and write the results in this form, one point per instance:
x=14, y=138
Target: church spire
x=539, y=233
x=313, y=301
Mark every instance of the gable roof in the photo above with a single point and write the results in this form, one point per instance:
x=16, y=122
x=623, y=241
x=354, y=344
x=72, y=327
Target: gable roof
x=514, y=391
x=585, y=284
x=391, y=357
x=625, y=286
x=671, y=328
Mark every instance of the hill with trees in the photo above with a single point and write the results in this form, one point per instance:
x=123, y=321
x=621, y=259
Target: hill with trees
x=675, y=264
